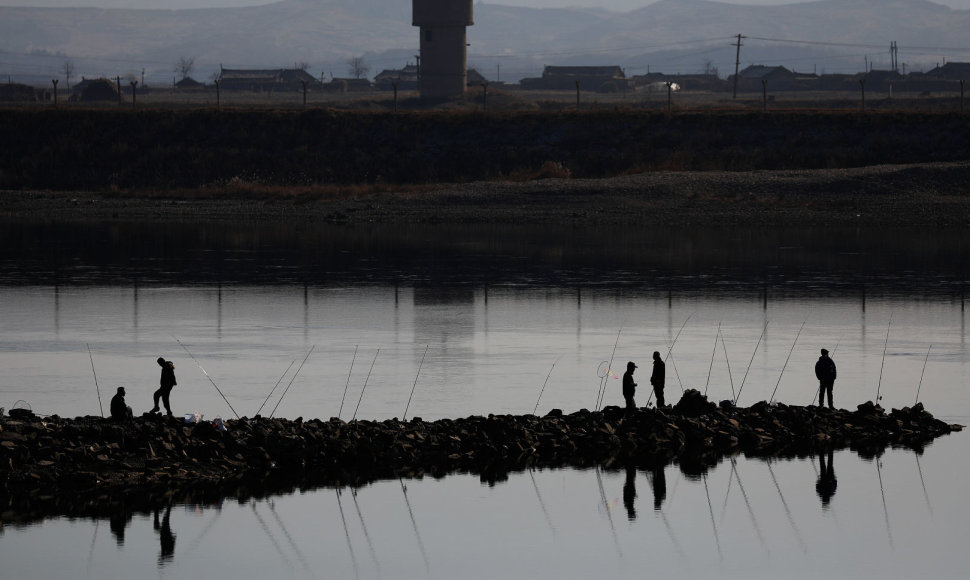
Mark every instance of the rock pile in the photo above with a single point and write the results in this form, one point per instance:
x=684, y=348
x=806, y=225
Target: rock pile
x=40, y=456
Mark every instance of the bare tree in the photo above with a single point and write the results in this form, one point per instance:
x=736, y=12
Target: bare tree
x=302, y=65
x=184, y=66
x=68, y=69
x=357, y=67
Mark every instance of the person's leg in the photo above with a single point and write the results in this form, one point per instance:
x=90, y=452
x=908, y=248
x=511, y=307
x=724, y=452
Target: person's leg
x=660, y=397
x=155, y=397
x=828, y=387
x=165, y=395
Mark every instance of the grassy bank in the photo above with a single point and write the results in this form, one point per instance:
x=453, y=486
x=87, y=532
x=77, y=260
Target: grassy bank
x=166, y=150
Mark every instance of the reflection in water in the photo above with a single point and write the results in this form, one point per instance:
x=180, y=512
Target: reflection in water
x=452, y=517
x=165, y=535
x=826, y=484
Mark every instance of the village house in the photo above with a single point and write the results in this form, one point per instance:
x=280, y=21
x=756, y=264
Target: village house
x=406, y=78
x=603, y=79
x=752, y=78
x=265, y=80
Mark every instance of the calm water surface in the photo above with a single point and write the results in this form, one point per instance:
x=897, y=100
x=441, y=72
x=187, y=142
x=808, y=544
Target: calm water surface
x=487, y=319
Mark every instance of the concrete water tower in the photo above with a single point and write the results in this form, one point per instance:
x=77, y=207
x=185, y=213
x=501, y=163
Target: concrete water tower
x=442, y=71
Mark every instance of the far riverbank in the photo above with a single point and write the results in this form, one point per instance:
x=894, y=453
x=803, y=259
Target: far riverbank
x=917, y=195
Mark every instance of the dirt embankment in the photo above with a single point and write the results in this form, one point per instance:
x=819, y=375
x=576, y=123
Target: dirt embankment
x=602, y=167
x=933, y=194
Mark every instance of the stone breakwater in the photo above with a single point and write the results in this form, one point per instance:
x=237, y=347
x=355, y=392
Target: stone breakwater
x=48, y=455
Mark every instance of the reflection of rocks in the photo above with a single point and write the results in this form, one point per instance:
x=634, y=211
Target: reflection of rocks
x=41, y=457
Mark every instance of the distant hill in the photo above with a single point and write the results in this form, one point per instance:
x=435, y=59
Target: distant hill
x=667, y=36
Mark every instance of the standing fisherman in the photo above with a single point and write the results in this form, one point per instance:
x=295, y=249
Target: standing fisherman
x=629, y=387
x=825, y=373
x=166, y=382
x=657, y=378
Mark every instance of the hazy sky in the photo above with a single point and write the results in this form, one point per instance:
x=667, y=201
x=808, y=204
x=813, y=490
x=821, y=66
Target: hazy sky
x=619, y=5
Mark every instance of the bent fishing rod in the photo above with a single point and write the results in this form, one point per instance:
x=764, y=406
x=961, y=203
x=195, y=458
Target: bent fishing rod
x=670, y=350
x=96, y=386
x=293, y=378
x=208, y=377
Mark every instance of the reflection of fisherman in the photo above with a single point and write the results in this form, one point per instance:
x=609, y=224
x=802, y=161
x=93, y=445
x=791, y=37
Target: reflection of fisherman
x=118, y=521
x=659, y=482
x=166, y=536
x=166, y=382
x=630, y=493
x=119, y=410
x=825, y=372
x=826, y=484
x=629, y=387
x=657, y=378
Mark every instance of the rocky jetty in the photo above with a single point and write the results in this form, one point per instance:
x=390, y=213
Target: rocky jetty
x=44, y=456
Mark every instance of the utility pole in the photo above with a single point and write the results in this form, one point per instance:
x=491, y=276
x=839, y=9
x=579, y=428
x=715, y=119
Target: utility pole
x=737, y=62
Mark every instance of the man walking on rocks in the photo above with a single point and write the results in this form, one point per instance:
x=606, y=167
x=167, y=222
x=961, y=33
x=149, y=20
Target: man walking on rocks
x=166, y=382
x=825, y=373
x=657, y=378
x=629, y=387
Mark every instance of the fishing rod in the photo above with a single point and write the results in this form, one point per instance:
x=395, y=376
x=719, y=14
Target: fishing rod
x=923, y=482
x=293, y=378
x=405, y=416
x=544, y=384
x=791, y=520
x=414, y=526
x=350, y=545
x=272, y=538
x=365, y=384
x=918, y=387
x=710, y=508
x=274, y=387
x=883, y=363
x=713, y=352
x=741, y=388
x=96, y=386
x=208, y=377
x=542, y=504
x=727, y=361
x=786, y=362
x=885, y=509
x=348, y=381
x=673, y=363
x=363, y=526
x=609, y=368
x=747, y=502
x=609, y=512
x=670, y=350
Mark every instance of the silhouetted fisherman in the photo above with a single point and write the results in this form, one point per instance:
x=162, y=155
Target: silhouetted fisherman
x=629, y=387
x=657, y=378
x=825, y=372
x=826, y=484
x=119, y=410
x=166, y=382
x=166, y=536
x=630, y=493
x=659, y=482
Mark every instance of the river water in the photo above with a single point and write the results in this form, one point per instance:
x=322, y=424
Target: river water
x=434, y=322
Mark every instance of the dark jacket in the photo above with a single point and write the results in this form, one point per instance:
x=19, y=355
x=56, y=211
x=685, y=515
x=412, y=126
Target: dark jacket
x=825, y=369
x=168, y=375
x=659, y=370
x=119, y=411
x=629, y=387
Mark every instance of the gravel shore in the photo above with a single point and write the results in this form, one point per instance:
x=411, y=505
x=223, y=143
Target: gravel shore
x=927, y=194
